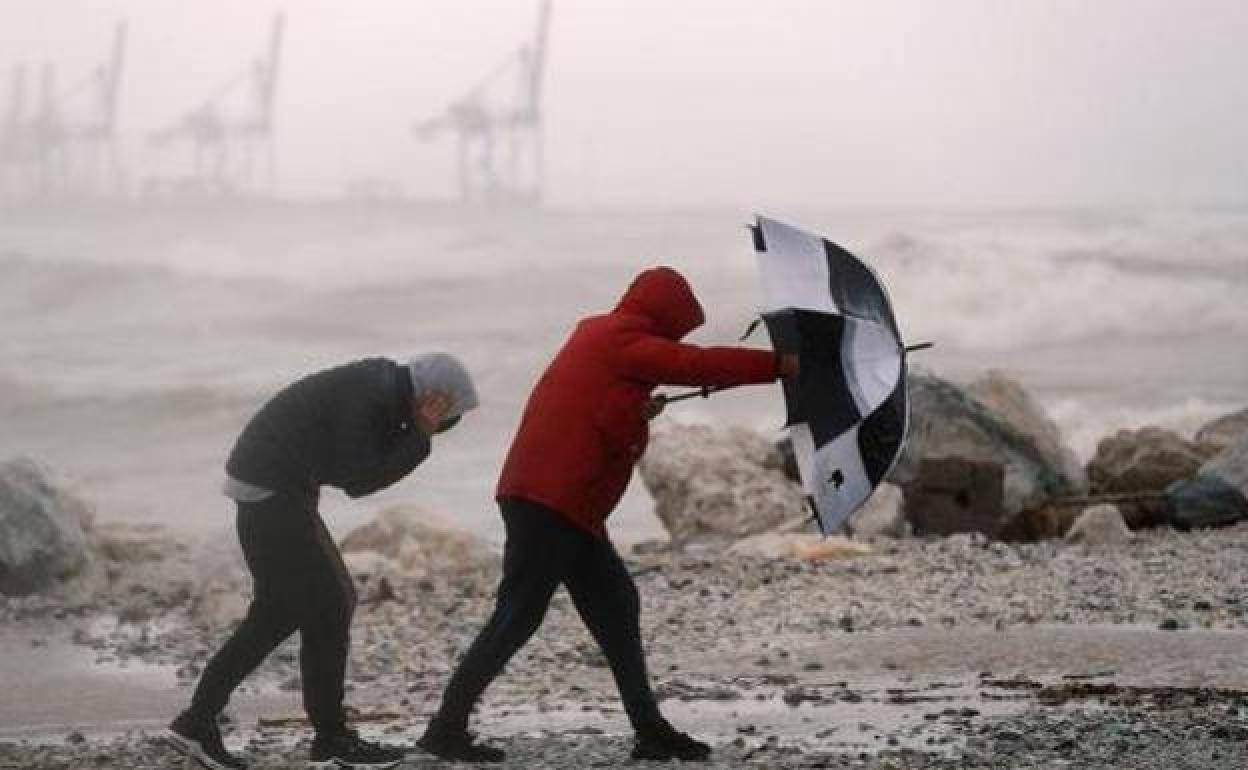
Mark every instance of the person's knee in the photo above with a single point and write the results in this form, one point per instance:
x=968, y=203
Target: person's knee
x=520, y=617
x=328, y=619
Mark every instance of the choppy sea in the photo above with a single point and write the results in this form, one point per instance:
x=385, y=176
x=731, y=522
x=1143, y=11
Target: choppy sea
x=135, y=342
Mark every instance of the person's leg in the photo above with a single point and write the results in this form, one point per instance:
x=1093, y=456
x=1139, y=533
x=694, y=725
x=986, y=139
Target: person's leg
x=266, y=624
x=315, y=591
x=261, y=528
x=538, y=546
x=606, y=598
x=325, y=631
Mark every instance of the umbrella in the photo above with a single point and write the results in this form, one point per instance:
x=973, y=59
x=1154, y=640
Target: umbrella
x=847, y=411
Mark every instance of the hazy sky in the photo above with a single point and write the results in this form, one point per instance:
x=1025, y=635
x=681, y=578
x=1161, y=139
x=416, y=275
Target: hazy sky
x=710, y=102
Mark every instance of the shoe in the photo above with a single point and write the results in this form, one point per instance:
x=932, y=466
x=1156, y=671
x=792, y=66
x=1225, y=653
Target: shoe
x=662, y=741
x=200, y=740
x=347, y=749
x=457, y=746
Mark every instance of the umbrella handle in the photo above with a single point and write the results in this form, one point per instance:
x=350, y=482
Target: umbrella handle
x=704, y=392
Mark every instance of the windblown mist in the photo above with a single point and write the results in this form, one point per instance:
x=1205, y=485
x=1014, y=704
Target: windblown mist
x=1054, y=188
x=652, y=103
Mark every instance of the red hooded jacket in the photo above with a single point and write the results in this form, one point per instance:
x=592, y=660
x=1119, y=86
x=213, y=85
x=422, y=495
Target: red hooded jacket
x=583, y=428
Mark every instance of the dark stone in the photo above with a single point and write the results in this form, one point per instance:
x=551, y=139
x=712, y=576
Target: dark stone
x=1205, y=501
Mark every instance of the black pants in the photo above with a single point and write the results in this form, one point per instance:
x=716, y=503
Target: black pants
x=543, y=550
x=301, y=585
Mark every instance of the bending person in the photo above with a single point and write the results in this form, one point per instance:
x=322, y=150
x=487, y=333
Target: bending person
x=360, y=427
x=583, y=430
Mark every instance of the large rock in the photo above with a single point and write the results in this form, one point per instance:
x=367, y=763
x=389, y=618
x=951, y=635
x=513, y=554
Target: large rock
x=1218, y=495
x=950, y=421
x=1099, y=525
x=1230, y=465
x=952, y=495
x=1145, y=460
x=416, y=545
x=1221, y=433
x=1205, y=502
x=42, y=529
x=718, y=483
x=1007, y=398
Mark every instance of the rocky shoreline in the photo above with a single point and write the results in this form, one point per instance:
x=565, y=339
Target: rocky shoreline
x=1060, y=638
x=725, y=631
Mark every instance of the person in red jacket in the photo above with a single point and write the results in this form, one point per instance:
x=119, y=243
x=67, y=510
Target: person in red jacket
x=583, y=430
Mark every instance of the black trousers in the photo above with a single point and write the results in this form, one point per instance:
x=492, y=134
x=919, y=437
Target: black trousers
x=542, y=551
x=301, y=585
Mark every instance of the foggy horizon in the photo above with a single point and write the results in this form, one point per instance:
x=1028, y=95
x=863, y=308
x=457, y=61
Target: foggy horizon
x=712, y=104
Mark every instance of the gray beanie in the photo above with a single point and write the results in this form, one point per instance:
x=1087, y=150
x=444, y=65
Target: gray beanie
x=444, y=372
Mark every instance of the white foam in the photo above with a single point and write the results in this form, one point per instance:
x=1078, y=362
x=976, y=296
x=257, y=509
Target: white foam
x=1084, y=422
x=989, y=289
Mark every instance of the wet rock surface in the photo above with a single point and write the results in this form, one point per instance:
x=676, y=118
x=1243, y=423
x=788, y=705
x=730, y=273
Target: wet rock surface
x=1230, y=465
x=1010, y=400
x=43, y=537
x=718, y=484
x=950, y=421
x=1148, y=459
x=1226, y=430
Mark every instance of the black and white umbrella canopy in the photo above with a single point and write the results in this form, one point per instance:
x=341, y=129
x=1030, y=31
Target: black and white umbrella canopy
x=847, y=410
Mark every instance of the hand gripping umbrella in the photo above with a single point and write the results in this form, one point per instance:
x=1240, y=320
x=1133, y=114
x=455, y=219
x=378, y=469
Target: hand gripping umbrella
x=847, y=411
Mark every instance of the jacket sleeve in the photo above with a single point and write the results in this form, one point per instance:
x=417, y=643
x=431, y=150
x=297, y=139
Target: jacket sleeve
x=660, y=361
x=409, y=449
x=375, y=446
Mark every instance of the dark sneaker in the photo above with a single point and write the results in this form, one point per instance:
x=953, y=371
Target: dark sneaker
x=348, y=749
x=457, y=746
x=200, y=741
x=662, y=742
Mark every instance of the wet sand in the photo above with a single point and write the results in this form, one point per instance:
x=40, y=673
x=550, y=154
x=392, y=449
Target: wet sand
x=861, y=699
x=53, y=688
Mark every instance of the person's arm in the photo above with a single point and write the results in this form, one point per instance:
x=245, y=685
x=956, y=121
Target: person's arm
x=661, y=361
x=409, y=449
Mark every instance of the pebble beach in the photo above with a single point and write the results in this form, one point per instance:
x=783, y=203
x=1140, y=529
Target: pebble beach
x=924, y=653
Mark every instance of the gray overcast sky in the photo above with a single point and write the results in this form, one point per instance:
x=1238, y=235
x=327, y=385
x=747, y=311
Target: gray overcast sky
x=693, y=102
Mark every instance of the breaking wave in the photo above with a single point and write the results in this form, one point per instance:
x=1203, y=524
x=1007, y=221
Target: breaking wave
x=984, y=288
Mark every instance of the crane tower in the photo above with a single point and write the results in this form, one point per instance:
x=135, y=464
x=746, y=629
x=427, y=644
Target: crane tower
x=497, y=125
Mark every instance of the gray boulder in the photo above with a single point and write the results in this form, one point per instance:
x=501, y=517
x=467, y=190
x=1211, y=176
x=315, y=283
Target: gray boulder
x=950, y=421
x=1205, y=502
x=1099, y=525
x=718, y=484
x=417, y=543
x=1007, y=398
x=1230, y=465
x=42, y=529
x=1217, y=495
x=1221, y=433
x=1145, y=460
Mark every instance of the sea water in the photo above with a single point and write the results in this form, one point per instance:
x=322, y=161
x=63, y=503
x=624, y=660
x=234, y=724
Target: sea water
x=137, y=340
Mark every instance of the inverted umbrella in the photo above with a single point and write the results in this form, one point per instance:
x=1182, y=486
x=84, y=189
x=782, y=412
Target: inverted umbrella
x=847, y=411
